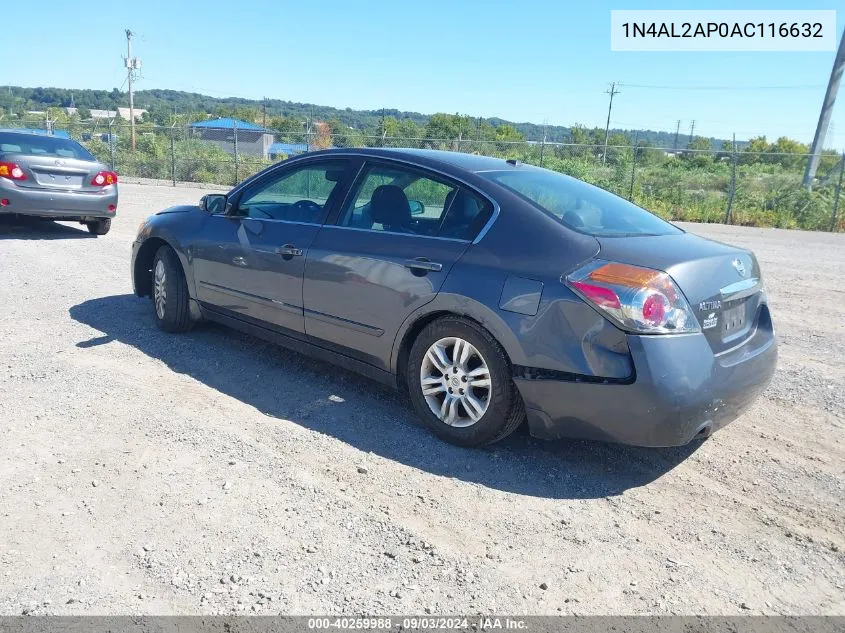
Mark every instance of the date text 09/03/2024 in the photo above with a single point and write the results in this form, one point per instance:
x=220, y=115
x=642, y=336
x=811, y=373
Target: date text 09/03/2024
x=722, y=29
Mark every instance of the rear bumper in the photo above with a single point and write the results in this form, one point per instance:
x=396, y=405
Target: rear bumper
x=57, y=204
x=680, y=391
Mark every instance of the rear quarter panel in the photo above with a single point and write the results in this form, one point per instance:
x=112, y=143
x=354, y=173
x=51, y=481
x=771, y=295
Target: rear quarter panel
x=563, y=334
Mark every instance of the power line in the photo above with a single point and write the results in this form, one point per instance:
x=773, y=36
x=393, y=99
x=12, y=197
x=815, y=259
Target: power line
x=735, y=87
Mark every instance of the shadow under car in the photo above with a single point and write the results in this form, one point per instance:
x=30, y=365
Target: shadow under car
x=224, y=359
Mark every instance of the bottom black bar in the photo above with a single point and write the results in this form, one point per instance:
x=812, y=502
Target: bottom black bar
x=431, y=623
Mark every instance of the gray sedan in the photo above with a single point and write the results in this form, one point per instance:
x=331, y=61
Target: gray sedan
x=492, y=291
x=55, y=178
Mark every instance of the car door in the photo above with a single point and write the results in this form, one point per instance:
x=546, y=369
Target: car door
x=250, y=260
x=383, y=257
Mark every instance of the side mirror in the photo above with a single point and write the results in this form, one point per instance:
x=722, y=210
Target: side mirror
x=214, y=203
x=417, y=207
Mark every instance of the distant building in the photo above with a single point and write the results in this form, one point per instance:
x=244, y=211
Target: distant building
x=99, y=115
x=252, y=140
x=96, y=115
x=123, y=113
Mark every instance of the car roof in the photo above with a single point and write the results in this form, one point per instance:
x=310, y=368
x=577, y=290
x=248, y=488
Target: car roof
x=32, y=132
x=433, y=158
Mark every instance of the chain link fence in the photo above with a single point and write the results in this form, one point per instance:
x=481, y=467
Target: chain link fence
x=738, y=187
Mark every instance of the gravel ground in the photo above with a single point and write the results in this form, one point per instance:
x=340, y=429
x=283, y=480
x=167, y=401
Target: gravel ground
x=142, y=472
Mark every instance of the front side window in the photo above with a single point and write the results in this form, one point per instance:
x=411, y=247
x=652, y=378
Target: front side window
x=581, y=206
x=400, y=200
x=299, y=194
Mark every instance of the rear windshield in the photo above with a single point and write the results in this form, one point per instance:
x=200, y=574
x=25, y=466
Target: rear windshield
x=36, y=145
x=580, y=206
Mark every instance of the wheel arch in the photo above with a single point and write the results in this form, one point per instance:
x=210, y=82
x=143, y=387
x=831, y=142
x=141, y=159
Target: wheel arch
x=445, y=306
x=143, y=264
x=141, y=272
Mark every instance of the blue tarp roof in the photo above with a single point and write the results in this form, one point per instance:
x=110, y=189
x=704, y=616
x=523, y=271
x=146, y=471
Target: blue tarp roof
x=287, y=148
x=227, y=124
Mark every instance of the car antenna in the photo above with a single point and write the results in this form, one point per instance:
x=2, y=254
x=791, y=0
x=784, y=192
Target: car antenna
x=512, y=161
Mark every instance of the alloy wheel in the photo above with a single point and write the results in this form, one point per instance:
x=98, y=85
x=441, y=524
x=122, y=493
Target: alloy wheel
x=455, y=381
x=159, y=288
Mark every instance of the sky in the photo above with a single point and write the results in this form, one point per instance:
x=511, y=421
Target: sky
x=533, y=60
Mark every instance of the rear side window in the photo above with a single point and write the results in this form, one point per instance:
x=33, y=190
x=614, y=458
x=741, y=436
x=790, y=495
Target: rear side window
x=36, y=145
x=403, y=200
x=580, y=206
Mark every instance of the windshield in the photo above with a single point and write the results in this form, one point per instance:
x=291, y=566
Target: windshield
x=580, y=206
x=36, y=145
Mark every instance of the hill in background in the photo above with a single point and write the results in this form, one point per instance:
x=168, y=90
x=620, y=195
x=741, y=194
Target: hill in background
x=164, y=106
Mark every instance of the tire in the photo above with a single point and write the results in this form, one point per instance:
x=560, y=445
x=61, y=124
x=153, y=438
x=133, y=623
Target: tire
x=99, y=227
x=171, y=313
x=502, y=406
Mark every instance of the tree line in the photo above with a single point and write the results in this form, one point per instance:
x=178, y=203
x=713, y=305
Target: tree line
x=168, y=106
x=326, y=126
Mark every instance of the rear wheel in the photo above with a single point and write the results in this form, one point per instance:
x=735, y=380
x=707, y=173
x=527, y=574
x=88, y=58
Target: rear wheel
x=460, y=383
x=170, y=292
x=99, y=227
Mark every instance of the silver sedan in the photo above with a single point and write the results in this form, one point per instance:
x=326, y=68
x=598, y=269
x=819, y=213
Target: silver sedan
x=55, y=178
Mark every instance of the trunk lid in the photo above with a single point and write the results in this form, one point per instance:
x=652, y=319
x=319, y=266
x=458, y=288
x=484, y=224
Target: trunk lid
x=51, y=172
x=721, y=282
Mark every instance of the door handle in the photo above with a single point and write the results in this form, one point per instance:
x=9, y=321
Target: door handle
x=421, y=263
x=289, y=251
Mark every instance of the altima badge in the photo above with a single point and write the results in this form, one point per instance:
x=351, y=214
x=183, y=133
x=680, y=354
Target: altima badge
x=740, y=267
x=710, y=321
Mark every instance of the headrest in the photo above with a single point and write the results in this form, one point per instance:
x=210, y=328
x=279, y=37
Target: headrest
x=389, y=206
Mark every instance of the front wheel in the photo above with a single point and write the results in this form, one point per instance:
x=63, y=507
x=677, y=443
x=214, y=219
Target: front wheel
x=99, y=227
x=460, y=383
x=170, y=292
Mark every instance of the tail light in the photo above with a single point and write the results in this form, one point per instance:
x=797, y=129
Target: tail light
x=637, y=299
x=12, y=171
x=104, y=178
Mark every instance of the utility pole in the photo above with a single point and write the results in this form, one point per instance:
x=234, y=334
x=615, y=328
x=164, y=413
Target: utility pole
x=691, y=131
x=732, y=190
x=677, y=134
x=825, y=114
x=543, y=145
x=264, y=114
x=611, y=92
x=132, y=64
